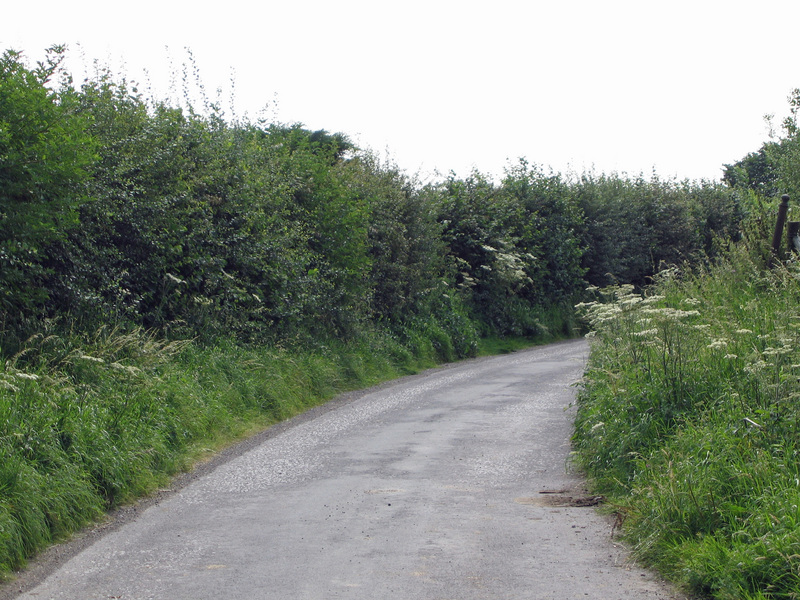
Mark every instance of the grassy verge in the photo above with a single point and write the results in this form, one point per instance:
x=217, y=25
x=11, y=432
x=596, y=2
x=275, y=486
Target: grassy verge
x=689, y=422
x=88, y=422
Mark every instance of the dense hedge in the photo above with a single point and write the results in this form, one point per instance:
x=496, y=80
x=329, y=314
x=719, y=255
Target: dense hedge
x=119, y=208
x=297, y=265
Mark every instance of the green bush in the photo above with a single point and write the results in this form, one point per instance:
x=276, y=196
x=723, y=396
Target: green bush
x=688, y=421
x=46, y=156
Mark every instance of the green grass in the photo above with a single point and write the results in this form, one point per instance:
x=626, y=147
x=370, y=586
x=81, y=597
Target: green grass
x=689, y=421
x=91, y=421
x=494, y=345
x=87, y=423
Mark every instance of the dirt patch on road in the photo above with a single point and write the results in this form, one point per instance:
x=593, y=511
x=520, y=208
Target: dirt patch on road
x=565, y=498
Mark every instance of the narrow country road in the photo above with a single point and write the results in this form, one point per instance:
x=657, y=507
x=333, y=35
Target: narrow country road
x=426, y=488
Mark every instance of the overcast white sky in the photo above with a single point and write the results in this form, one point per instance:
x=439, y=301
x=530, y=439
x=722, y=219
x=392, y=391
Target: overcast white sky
x=620, y=85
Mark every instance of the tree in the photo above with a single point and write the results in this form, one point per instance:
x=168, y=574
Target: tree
x=45, y=158
x=492, y=264
x=787, y=154
x=407, y=255
x=547, y=229
x=757, y=171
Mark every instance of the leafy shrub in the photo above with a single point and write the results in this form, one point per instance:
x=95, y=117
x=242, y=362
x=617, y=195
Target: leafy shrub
x=46, y=155
x=688, y=421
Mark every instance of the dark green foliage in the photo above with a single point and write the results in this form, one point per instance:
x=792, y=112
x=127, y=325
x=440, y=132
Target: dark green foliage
x=45, y=157
x=407, y=253
x=513, y=246
x=149, y=214
x=772, y=170
x=336, y=217
x=189, y=225
x=488, y=268
x=298, y=265
x=787, y=152
x=633, y=228
x=756, y=171
x=547, y=226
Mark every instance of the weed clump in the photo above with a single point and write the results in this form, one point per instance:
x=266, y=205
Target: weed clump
x=689, y=419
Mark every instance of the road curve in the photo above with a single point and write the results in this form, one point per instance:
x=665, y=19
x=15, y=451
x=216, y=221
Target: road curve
x=427, y=488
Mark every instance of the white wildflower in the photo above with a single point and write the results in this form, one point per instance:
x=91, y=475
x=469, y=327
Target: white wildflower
x=630, y=301
x=581, y=305
x=776, y=351
x=756, y=367
x=645, y=332
x=670, y=313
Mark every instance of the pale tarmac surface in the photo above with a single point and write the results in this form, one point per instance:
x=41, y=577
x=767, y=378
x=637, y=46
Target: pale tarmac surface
x=426, y=488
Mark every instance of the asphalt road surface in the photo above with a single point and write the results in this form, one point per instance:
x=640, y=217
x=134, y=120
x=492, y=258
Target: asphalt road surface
x=452, y=484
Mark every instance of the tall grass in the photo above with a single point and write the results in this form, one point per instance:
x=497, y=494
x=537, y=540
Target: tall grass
x=689, y=421
x=89, y=421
